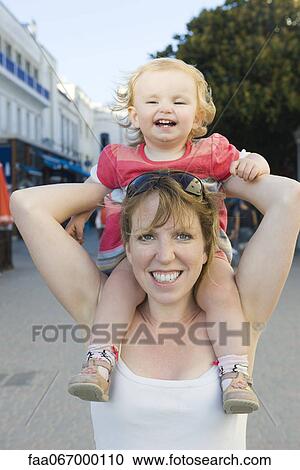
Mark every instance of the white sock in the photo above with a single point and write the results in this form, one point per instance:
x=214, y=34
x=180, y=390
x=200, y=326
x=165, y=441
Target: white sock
x=97, y=351
x=231, y=361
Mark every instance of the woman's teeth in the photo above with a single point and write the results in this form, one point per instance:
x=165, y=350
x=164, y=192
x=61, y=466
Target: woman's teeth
x=170, y=277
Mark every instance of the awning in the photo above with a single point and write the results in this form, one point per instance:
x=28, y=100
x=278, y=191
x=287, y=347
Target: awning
x=52, y=162
x=30, y=170
x=62, y=164
x=74, y=167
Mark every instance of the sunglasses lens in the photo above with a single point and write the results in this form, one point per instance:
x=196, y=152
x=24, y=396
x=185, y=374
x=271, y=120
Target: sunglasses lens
x=188, y=182
x=140, y=184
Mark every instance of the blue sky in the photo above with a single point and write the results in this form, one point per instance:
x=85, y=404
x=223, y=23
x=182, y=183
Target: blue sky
x=95, y=42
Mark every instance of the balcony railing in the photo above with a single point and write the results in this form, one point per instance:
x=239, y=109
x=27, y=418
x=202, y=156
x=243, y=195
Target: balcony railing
x=13, y=68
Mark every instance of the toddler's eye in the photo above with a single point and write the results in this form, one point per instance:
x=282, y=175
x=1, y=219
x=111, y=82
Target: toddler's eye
x=179, y=102
x=184, y=236
x=151, y=102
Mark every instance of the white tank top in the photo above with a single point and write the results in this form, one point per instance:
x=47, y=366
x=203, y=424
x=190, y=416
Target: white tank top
x=145, y=413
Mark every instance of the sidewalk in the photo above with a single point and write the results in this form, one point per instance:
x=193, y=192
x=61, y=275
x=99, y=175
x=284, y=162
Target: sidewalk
x=36, y=410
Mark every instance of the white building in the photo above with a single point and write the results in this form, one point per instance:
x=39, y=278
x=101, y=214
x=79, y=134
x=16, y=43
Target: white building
x=36, y=109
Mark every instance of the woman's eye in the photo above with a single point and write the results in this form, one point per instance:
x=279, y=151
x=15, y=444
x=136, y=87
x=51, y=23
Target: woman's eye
x=184, y=236
x=145, y=237
x=151, y=102
x=179, y=102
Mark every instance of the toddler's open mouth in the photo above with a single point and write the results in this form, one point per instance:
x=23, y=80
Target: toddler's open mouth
x=164, y=123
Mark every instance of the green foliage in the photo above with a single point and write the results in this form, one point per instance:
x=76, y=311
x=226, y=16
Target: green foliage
x=249, y=53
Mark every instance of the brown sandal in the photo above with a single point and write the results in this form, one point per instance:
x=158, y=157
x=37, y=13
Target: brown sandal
x=239, y=396
x=89, y=384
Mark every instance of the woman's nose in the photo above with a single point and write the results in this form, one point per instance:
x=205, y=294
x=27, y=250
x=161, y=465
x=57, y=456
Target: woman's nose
x=165, y=252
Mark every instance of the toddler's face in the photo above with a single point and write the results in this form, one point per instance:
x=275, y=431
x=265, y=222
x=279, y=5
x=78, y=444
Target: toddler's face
x=164, y=106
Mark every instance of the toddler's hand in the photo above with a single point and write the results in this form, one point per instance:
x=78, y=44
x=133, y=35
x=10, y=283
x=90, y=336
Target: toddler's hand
x=75, y=226
x=246, y=168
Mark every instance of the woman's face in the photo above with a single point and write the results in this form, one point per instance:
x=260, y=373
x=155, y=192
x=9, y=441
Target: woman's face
x=167, y=261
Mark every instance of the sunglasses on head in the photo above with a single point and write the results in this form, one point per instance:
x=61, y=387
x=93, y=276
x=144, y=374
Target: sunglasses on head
x=188, y=182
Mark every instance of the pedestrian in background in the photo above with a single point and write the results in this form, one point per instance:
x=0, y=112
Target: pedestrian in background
x=100, y=220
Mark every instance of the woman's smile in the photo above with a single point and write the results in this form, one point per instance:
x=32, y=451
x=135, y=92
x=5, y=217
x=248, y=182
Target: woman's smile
x=165, y=278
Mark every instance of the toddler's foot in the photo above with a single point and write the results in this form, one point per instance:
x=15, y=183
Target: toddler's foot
x=93, y=382
x=239, y=396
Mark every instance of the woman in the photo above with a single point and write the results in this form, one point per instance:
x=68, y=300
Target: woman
x=147, y=409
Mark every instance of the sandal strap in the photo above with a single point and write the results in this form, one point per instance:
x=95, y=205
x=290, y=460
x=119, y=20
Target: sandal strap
x=95, y=362
x=234, y=375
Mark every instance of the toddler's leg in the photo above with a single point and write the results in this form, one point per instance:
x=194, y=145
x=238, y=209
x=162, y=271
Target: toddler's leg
x=229, y=334
x=120, y=297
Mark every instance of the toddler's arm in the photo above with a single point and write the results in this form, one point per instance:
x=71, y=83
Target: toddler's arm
x=76, y=224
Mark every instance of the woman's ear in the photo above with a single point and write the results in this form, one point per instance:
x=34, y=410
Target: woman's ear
x=204, y=259
x=133, y=116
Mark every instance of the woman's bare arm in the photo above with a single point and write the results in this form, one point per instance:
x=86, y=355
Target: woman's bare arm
x=65, y=266
x=266, y=261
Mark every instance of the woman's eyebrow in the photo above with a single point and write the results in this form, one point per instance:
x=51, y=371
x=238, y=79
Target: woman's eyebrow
x=140, y=231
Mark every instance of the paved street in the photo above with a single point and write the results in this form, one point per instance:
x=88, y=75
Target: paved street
x=37, y=412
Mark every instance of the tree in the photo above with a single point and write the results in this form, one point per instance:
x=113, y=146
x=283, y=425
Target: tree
x=249, y=53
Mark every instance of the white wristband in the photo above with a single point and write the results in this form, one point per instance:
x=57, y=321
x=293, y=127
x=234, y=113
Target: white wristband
x=243, y=154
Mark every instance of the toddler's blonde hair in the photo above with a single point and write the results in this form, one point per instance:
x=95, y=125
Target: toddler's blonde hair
x=205, y=110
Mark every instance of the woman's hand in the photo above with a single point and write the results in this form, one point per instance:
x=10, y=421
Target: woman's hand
x=75, y=227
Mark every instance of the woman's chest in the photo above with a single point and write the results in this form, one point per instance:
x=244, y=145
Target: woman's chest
x=168, y=361
x=170, y=351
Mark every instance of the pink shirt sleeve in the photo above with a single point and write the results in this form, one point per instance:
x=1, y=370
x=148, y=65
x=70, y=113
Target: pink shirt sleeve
x=107, y=168
x=223, y=155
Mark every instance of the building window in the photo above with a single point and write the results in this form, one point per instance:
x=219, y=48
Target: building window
x=27, y=67
x=104, y=140
x=68, y=140
x=8, y=116
x=62, y=132
x=36, y=74
x=19, y=121
x=8, y=50
x=19, y=59
x=28, y=125
x=36, y=128
x=74, y=139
